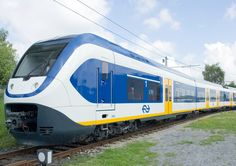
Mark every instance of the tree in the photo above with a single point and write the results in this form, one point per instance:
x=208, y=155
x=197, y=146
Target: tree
x=232, y=84
x=214, y=73
x=3, y=34
x=7, y=58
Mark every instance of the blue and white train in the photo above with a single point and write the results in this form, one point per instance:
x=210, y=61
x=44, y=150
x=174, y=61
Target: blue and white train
x=83, y=87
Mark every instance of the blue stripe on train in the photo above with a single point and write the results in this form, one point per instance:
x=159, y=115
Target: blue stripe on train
x=84, y=80
x=74, y=43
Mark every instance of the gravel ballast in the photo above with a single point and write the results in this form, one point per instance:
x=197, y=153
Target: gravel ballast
x=181, y=146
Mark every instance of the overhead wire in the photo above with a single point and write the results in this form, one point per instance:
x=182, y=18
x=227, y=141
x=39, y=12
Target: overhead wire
x=120, y=36
x=122, y=27
x=130, y=32
x=133, y=34
x=103, y=27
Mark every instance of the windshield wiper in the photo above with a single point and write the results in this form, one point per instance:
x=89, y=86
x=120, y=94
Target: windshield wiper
x=27, y=77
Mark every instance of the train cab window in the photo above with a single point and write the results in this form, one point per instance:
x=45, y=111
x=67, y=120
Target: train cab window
x=135, y=89
x=153, y=91
x=104, y=71
x=38, y=60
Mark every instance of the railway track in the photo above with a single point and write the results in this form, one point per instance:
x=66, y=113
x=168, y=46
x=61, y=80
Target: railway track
x=28, y=156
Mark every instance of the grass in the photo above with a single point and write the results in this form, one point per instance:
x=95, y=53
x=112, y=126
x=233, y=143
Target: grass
x=183, y=142
x=133, y=154
x=170, y=154
x=6, y=140
x=224, y=122
x=212, y=139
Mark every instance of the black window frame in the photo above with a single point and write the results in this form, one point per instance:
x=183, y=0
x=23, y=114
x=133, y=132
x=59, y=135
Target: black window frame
x=201, y=98
x=184, y=93
x=222, y=96
x=213, y=95
x=234, y=97
x=158, y=91
x=138, y=87
x=63, y=42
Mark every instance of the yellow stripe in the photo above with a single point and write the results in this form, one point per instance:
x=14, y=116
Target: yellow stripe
x=105, y=121
x=178, y=111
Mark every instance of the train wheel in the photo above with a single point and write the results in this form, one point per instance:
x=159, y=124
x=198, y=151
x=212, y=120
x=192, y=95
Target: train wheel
x=112, y=131
x=100, y=133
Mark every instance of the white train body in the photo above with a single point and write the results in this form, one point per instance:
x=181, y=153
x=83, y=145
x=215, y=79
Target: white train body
x=92, y=82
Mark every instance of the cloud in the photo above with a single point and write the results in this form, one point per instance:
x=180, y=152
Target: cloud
x=162, y=48
x=153, y=23
x=29, y=21
x=231, y=12
x=164, y=18
x=156, y=50
x=144, y=6
x=165, y=46
x=224, y=54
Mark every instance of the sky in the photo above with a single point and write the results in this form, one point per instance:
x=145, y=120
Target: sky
x=192, y=32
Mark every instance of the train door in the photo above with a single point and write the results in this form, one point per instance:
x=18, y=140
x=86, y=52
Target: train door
x=231, y=99
x=207, y=98
x=217, y=98
x=168, y=96
x=105, y=87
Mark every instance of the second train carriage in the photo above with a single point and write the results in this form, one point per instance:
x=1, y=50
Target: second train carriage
x=69, y=88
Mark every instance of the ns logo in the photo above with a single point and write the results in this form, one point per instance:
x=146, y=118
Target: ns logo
x=146, y=109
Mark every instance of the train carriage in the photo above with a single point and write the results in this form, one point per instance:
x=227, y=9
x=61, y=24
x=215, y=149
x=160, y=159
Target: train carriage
x=84, y=87
x=207, y=95
x=233, y=96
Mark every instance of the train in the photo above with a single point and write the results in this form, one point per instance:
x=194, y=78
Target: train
x=80, y=88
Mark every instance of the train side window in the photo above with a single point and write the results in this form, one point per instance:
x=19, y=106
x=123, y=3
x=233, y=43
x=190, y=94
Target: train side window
x=166, y=93
x=170, y=93
x=226, y=96
x=135, y=89
x=222, y=96
x=207, y=95
x=201, y=95
x=183, y=92
x=153, y=91
x=104, y=71
x=212, y=95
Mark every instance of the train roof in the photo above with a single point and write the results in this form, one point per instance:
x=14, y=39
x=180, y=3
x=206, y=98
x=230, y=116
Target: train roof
x=208, y=83
x=97, y=40
x=89, y=38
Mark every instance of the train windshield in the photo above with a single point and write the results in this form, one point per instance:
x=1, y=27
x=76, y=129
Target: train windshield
x=38, y=60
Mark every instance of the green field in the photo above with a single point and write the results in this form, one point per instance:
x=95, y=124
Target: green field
x=224, y=122
x=212, y=139
x=133, y=154
x=6, y=140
